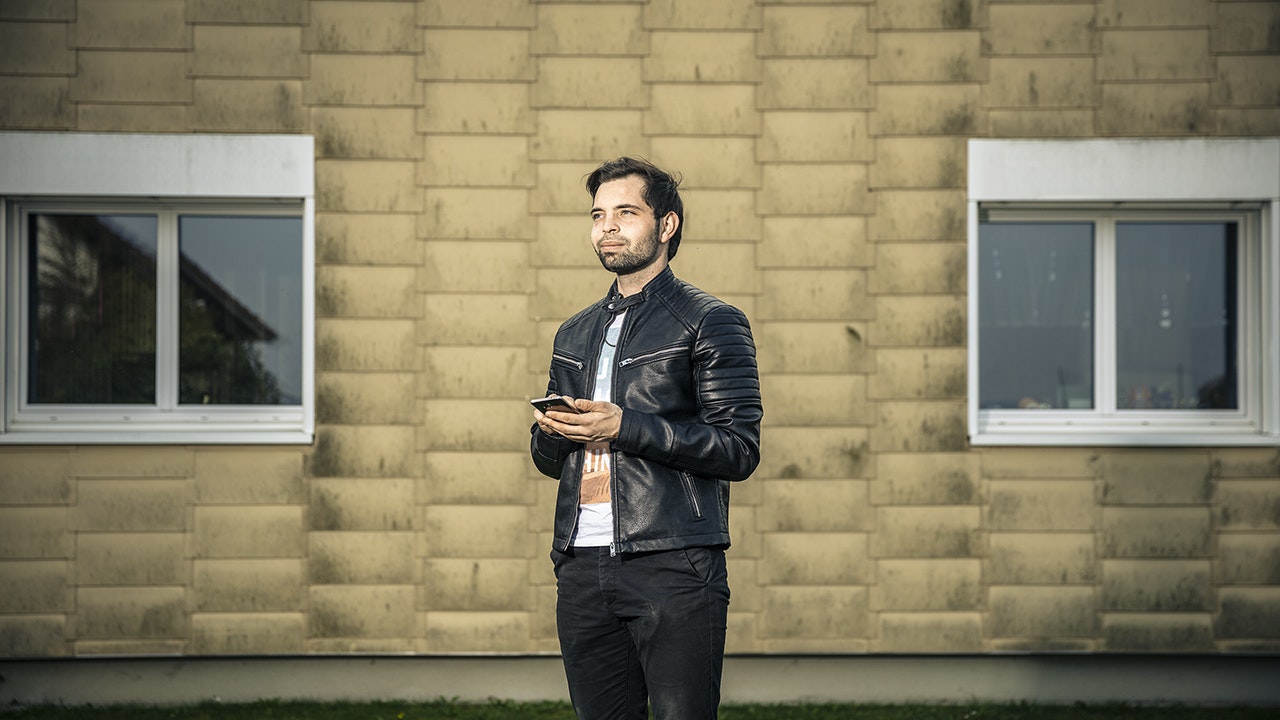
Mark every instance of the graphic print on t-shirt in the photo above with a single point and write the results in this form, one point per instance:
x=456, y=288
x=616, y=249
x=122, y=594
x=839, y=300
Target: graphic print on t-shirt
x=595, y=462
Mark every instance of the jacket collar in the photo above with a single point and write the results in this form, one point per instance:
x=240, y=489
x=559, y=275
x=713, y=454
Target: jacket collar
x=615, y=302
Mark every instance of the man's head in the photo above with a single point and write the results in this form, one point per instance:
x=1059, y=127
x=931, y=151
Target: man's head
x=661, y=191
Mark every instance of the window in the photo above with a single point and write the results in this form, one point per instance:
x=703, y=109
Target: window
x=1129, y=297
x=166, y=298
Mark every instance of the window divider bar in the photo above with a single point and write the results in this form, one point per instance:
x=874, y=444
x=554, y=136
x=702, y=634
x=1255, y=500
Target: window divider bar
x=167, y=312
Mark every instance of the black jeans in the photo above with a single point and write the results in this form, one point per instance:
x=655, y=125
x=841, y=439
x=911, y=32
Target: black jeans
x=642, y=627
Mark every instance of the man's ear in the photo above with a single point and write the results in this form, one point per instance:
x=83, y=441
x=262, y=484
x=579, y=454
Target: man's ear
x=670, y=222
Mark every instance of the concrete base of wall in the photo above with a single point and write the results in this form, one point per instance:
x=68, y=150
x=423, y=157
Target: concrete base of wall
x=1049, y=679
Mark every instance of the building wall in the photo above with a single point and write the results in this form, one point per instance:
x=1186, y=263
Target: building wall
x=823, y=150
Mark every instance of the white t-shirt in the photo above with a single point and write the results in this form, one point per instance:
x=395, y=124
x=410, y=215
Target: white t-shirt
x=595, y=509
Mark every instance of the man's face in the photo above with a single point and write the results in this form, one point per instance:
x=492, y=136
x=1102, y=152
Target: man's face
x=626, y=236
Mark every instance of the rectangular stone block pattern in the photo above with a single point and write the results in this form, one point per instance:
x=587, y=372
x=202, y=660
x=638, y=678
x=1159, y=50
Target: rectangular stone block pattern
x=938, y=374
x=248, y=586
x=482, y=160
x=254, y=476
x=927, y=532
x=32, y=636
x=927, y=109
x=1053, y=505
x=365, y=27
x=361, y=504
x=1027, y=82
x=386, y=451
x=477, y=424
x=263, y=12
x=476, y=478
x=120, y=76
x=1041, y=559
x=131, y=505
x=924, y=15
x=1040, y=29
x=723, y=214
x=34, y=48
x=954, y=56
x=34, y=477
x=361, y=558
x=814, y=295
x=926, y=479
x=467, y=631
x=476, y=54
x=131, y=559
x=481, y=107
x=920, y=163
x=1156, y=532
x=365, y=344
x=811, y=558
x=449, y=531
x=354, y=612
x=244, y=51
x=798, y=400
x=463, y=213
x=1163, y=108
x=507, y=319
x=38, y=10
x=940, y=585
x=348, y=398
x=367, y=186
x=117, y=24
x=808, y=189
x=815, y=31
x=920, y=268
x=248, y=634
x=814, y=453
x=832, y=136
x=1154, y=13
x=811, y=347
x=33, y=587
x=617, y=81
x=484, y=584
x=1247, y=80
x=1167, y=477
x=451, y=266
x=249, y=532
x=911, y=215
x=35, y=533
x=585, y=134
x=142, y=613
x=1157, y=586
x=814, y=241
x=1019, y=463
x=814, y=613
x=1043, y=612
x=469, y=372
x=1155, y=55
x=369, y=133
x=705, y=15
x=47, y=103
x=721, y=57
x=1245, y=27
x=1248, y=559
x=815, y=84
x=575, y=29
x=358, y=239
x=919, y=426
x=1164, y=633
x=813, y=506
x=685, y=109
x=1041, y=123
x=929, y=632
x=357, y=79
x=1248, y=614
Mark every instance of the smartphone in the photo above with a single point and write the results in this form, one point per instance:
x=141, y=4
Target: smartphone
x=555, y=402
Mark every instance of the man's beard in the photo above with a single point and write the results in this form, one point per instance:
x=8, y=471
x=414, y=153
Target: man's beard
x=636, y=257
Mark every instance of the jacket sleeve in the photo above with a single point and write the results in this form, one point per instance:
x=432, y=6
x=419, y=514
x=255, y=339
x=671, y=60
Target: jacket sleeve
x=549, y=451
x=724, y=441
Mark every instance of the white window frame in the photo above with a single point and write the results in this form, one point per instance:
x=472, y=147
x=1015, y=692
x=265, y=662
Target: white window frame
x=230, y=172
x=1215, y=177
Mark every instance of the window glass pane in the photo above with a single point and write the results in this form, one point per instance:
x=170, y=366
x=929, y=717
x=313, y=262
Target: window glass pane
x=240, y=280
x=1176, y=316
x=92, y=309
x=1035, y=315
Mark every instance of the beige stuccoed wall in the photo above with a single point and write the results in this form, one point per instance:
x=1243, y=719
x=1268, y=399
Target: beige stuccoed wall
x=823, y=149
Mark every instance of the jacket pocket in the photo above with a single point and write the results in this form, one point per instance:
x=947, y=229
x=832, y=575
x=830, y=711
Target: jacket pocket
x=691, y=492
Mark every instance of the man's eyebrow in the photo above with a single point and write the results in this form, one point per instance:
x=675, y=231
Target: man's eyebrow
x=620, y=206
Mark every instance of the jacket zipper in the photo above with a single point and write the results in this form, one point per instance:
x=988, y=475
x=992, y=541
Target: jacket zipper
x=651, y=355
x=613, y=393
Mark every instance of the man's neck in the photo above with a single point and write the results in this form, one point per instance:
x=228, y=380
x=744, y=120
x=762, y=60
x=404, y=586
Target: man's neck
x=633, y=283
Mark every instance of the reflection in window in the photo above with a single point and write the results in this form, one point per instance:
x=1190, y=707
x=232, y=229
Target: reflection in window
x=240, y=327
x=92, y=309
x=1176, y=316
x=1035, y=315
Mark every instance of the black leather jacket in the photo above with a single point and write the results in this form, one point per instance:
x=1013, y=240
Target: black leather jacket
x=687, y=383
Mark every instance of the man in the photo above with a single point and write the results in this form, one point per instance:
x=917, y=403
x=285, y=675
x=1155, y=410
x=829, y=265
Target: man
x=667, y=397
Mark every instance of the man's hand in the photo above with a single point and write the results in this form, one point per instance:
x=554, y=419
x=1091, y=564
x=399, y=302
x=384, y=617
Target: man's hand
x=597, y=421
